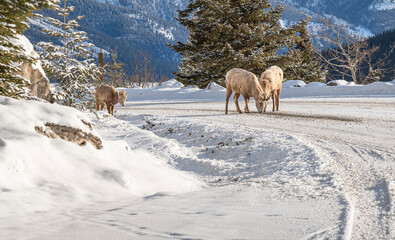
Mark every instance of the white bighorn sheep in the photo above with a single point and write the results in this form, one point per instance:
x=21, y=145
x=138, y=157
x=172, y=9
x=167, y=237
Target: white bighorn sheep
x=110, y=96
x=271, y=82
x=246, y=83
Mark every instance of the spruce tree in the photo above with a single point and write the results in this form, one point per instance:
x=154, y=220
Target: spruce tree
x=70, y=64
x=13, y=22
x=225, y=34
x=115, y=72
x=301, y=61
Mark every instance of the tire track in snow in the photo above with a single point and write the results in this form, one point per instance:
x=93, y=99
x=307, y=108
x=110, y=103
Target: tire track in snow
x=227, y=153
x=363, y=181
x=272, y=114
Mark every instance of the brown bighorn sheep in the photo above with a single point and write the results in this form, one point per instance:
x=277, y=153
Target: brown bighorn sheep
x=110, y=96
x=271, y=82
x=246, y=83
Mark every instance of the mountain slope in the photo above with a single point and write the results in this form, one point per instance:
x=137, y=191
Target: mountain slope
x=375, y=15
x=131, y=29
x=135, y=27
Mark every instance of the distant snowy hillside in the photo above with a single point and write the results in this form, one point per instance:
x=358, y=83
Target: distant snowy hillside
x=135, y=26
x=373, y=15
x=166, y=9
x=383, y=5
x=132, y=28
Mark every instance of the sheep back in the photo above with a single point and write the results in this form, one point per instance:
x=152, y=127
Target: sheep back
x=107, y=94
x=272, y=79
x=242, y=81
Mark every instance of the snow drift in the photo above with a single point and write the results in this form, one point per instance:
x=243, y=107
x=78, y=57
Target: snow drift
x=38, y=173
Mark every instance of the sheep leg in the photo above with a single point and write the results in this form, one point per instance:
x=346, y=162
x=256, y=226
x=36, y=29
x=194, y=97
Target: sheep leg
x=99, y=105
x=278, y=98
x=228, y=93
x=265, y=103
x=236, y=99
x=108, y=106
x=246, y=109
x=274, y=97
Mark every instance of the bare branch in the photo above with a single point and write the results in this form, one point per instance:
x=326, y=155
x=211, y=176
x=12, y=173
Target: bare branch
x=348, y=52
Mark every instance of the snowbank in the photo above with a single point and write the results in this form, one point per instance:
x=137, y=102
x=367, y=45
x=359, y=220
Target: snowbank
x=316, y=84
x=172, y=84
x=38, y=173
x=343, y=89
x=340, y=83
x=173, y=91
x=214, y=86
x=293, y=83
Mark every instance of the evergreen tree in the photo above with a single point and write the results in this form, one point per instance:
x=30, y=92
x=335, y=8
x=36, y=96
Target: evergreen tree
x=13, y=22
x=235, y=33
x=115, y=72
x=70, y=64
x=301, y=61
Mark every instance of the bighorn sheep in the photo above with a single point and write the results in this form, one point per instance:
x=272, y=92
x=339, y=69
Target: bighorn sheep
x=246, y=83
x=271, y=82
x=110, y=96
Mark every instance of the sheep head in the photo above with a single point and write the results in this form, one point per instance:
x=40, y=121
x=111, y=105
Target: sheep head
x=260, y=103
x=122, y=96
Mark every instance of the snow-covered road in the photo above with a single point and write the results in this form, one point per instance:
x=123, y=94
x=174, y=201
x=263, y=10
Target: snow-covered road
x=321, y=168
x=340, y=148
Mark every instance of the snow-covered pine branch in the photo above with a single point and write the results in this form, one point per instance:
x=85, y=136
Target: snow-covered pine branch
x=70, y=64
x=13, y=22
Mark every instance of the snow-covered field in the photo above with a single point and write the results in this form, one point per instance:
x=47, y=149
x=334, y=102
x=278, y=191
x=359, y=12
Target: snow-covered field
x=174, y=166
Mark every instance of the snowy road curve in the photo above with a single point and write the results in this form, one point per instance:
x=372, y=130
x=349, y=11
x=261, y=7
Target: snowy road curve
x=350, y=145
x=321, y=168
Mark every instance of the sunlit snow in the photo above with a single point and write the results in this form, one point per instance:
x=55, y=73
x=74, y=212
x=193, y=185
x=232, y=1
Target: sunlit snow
x=174, y=166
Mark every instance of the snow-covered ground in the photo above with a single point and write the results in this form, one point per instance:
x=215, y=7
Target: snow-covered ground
x=174, y=166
